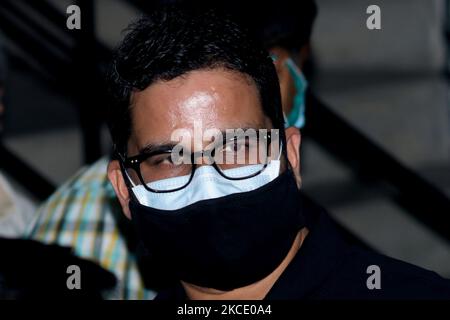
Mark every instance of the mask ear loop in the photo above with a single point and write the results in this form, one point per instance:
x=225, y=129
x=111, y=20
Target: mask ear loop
x=129, y=179
x=281, y=151
x=279, y=154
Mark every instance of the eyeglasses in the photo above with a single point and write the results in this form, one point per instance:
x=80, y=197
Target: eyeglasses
x=241, y=157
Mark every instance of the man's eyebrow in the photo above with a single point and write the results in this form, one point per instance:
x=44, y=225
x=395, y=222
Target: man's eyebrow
x=155, y=148
x=168, y=146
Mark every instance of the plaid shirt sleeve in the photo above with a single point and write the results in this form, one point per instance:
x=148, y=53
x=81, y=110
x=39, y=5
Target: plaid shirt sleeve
x=83, y=214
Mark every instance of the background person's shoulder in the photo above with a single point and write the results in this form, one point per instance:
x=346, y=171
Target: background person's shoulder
x=30, y=270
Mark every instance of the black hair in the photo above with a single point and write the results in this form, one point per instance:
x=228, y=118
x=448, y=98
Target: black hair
x=171, y=42
x=283, y=23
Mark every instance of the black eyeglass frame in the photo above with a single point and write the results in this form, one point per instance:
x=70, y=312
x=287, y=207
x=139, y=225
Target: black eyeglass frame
x=134, y=163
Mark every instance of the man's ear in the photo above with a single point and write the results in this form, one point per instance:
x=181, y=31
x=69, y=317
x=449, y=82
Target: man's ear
x=117, y=180
x=293, y=141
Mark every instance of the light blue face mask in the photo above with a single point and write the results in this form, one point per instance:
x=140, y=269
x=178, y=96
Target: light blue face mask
x=207, y=183
x=296, y=117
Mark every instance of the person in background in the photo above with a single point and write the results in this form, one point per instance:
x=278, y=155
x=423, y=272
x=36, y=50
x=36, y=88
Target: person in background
x=84, y=214
x=28, y=269
x=285, y=29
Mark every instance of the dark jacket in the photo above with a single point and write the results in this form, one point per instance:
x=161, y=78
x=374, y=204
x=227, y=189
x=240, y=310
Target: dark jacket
x=329, y=266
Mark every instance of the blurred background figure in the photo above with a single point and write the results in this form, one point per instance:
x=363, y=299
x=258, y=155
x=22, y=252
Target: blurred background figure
x=16, y=210
x=285, y=28
x=3, y=72
x=47, y=278
x=377, y=142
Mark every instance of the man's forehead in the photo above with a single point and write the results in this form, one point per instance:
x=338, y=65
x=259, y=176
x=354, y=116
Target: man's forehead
x=215, y=98
x=196, y=88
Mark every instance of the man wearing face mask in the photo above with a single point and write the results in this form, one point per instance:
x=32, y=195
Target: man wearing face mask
x=226, y=230
x=285, y=29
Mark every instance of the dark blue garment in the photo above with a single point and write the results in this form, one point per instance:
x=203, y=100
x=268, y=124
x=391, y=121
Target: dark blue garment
x=329, y=266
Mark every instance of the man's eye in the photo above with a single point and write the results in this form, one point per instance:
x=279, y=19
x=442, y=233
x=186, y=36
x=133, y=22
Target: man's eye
x=166, y=160
x=236, y=146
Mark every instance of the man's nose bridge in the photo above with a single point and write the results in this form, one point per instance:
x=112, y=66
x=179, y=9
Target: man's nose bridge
x=203, y=158
x=207, y=168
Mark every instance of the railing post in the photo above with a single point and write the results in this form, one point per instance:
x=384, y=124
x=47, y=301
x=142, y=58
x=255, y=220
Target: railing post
x=87, y=82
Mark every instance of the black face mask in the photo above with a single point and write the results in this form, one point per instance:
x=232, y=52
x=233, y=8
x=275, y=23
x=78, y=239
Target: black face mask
x=223, y=243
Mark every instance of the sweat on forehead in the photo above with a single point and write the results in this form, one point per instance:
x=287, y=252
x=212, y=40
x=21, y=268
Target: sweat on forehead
x=216, y=98
x=172, y=44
